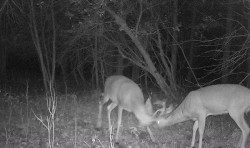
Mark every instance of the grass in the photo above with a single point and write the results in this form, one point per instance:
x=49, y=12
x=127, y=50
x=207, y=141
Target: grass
x=75, y=120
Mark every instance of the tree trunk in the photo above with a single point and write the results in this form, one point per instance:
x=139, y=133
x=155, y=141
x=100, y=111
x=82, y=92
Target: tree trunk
x=95, y=76
x=191, y=48
x=248, y=40
x=225, y=70
x=2, y=61
x=36, y=41
x=47, y=58
x=149, y=64
x=135, y=72
x=174, y=45
x=120, y=66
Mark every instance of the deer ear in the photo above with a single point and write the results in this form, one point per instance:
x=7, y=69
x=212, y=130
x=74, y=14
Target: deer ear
x=170, y=108
x=149, y=106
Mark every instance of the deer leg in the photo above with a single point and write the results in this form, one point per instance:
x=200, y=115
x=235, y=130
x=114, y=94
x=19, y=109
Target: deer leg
x=99, y=119
x=110, y=108
x=238, y=117
x=245, y=131
x=151, y=134
x=202, y=122
x=195, y=127
x=102, y=101
x=118, y=122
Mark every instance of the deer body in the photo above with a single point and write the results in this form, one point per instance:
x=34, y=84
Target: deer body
x=212, y=100
x=128, y=96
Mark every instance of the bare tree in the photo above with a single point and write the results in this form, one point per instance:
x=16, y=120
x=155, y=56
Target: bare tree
x=148, y=65
x=227, y=43
x=46, y=49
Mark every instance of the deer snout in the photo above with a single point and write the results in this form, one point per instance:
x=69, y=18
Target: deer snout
x=147, y=123
x=160, y=122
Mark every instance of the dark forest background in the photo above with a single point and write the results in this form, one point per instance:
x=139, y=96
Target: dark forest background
x=165, y=44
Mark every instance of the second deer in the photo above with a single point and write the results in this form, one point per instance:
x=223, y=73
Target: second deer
x=128, y=96
x=212, y=100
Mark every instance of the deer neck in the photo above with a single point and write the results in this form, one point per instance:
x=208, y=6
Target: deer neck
x=176, y=116
x=143, y=116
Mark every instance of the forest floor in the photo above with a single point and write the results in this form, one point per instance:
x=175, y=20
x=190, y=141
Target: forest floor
x=23, y=124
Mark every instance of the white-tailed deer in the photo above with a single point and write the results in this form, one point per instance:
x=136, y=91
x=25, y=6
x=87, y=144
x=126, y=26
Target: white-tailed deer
x=164, y=109
x=127, y=95
x=212, y=100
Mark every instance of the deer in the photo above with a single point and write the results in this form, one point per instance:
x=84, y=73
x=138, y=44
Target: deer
x=163, y=110
x=127, y=95
x=232, y=99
